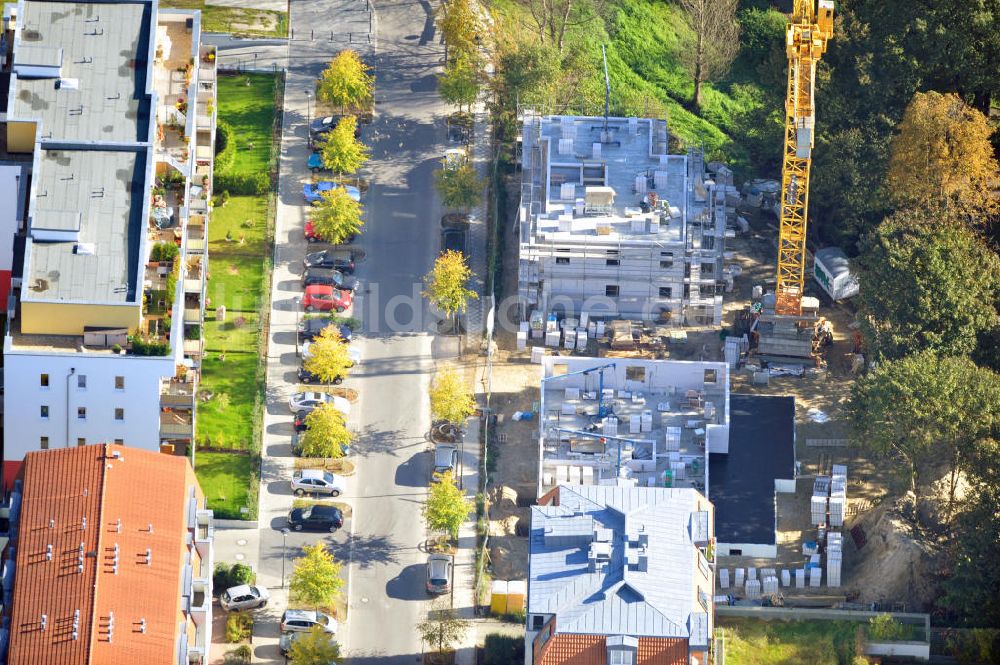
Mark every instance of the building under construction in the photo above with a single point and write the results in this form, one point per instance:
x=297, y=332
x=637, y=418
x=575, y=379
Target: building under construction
x=614, y=226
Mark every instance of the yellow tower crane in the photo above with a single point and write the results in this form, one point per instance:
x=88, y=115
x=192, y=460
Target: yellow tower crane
x=808, y=30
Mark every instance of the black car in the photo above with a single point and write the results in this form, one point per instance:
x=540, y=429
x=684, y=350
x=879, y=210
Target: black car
x=305, y=376
x=453, y=240
x=321, y=126
x=316, y=518
x=309, y=329
x=329, y=277
x=331, y=260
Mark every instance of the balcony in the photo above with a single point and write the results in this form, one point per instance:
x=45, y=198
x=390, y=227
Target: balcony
x=176, y=424
x=178, y=393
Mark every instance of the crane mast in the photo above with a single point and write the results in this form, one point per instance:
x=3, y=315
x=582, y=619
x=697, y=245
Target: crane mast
x=808, y=30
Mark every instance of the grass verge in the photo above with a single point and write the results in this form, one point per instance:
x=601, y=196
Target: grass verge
x=755, y=642
x=223, y=478
x=237, y=21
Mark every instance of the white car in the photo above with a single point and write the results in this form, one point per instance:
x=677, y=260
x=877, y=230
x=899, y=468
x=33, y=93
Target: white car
x=317, y=481
x=310, y=400
x=244, y=597
x=303, y=620
x=353, y=352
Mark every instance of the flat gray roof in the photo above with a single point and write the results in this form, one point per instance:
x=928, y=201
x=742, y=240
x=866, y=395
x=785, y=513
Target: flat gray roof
x=659, y=599
x=105, y=187
x=105, y=51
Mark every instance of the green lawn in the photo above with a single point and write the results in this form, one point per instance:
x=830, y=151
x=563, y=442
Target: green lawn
x=236, y=20
x=753, y=642
x=249, y=110
x=238, y=251
x=225, y=480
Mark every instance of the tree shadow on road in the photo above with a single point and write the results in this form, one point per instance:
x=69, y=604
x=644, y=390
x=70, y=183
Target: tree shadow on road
x=372, y=441
x=368, y=550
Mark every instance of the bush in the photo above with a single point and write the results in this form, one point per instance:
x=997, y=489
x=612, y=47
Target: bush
x=164, y=252
x=225, y=146
x=975, y=645
x=502, y=649
x=192, y=332
x=239, y=626
x=224, y=197
x=225, y=575
x=241, y=655
x=142, y=347
x=883, y=628
x=254, y=184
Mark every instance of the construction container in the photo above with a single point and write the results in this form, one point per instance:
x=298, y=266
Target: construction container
x=498, y=597
x=832, y=271
x=517, y=592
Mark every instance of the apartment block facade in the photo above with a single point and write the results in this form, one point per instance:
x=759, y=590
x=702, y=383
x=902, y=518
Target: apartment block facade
x=111, y=123
x=613, y=225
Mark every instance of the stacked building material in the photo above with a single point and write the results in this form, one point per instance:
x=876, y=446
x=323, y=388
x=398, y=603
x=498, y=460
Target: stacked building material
x=834, y=557
x=752, y=589
x=838, y=495
x=769, y=585
x=818, y=504
x=723, y=578
x=740, y=576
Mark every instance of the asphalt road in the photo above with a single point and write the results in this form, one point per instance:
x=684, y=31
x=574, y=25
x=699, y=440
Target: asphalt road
x=383, y=540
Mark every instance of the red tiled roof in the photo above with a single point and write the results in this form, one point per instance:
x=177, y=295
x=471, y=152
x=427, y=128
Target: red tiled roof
x=60, y=489
x=573, y=649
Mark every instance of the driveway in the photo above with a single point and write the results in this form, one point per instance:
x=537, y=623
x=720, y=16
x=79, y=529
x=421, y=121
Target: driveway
x=381, y=543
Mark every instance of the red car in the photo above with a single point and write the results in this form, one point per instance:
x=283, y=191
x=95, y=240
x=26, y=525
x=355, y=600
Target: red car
x=311, y=235
x=323, y=298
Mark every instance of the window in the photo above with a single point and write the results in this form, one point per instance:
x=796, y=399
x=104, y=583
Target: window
x=119, y=414
x=611, y=290
x=635, y=373
x=708, y=289
x=81, y=441
x=666, y=292
x=707, y=268
x=43, y=442
x=43, y=380
x=44, y=411
x=710, y=376
x=119, y=383
x=537, y=621
x=619, y=657
x=81, y=381
x=612, y=262
x=666, y=259
x=81, y=412
x=708, y=242
x=119, y=442
x=666, y=264
x=562, y=260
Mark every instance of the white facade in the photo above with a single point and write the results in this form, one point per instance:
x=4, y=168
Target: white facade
x=82, y=381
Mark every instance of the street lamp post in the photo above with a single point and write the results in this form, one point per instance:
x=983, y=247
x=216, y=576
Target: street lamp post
x=284, y=534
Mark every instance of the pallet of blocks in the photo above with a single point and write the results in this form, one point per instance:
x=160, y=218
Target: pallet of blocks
x=838, y=495
x=818, y=502
x=834, y=558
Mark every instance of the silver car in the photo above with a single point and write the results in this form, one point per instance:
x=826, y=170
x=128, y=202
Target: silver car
x=311, y=400
x=439, y=573
x=302, y=620
x=445, y=459
x=317, y=481
x=244, y=597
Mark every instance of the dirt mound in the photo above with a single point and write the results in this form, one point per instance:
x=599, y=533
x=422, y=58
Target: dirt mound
x=893, y=565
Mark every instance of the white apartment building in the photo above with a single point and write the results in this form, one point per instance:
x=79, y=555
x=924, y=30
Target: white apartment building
x=111, y=118
x=613, y=225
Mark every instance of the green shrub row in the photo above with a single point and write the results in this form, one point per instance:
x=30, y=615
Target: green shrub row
x=141, y=347
x=254, y=184
x=225, y=146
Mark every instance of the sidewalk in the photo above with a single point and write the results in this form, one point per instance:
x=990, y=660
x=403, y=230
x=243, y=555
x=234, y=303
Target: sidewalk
x=464, y=594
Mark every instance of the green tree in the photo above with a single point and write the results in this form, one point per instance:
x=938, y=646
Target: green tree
x=446, y=285
x=315, y=647
x=459, y=84
x=326, y=433
x=450, y=400
x=942, y=156
x=460, y=188
x=342, y=153
x=315, y=578
x=336, y=217
x=446, y=506
x=972, y=585
x=443, y=628
x=927, y=410
x=926, y=284
x=328, y=360
x=347, y=82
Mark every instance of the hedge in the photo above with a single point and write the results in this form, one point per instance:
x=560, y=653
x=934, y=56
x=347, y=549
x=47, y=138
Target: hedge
x=225, y=146
x=255, y=184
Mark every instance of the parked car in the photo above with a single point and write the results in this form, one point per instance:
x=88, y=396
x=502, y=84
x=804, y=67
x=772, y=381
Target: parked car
x=304, y=620
x=307, y=377
x=326, y=298
x=310, y=329
x=445, y=459
x=329, y=277
x=316, y=518
x=321, y=126
x=244, y=597
x=314, y=192
x=312, y=236
x=439, y=567
x=309, y=400
x=453, y=240
x=315, y=163
x=342, y=260
x=353, y=353
x=317, y=481
x=455, y=157
x=454, y=220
